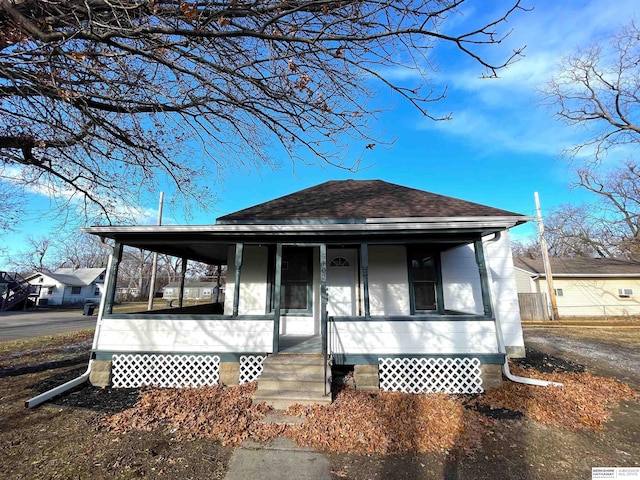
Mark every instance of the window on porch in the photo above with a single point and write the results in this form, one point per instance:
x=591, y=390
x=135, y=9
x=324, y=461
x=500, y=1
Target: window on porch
x=423, y=280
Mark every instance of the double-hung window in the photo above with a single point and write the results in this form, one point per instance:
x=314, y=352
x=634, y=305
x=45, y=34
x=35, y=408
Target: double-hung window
x=423, y=278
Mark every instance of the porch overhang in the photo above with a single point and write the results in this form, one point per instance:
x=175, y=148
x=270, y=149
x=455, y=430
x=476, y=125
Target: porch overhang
x=208, y=243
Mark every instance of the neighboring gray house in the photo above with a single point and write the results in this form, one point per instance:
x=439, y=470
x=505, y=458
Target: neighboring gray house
x=69, y=286
x=199, y=291
x=412, y=289
x=592, y=287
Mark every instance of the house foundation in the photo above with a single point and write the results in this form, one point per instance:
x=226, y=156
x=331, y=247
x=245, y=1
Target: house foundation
x=516, y=352
x=100, y=375
x=366, y=377
x=229, y=373
x=491, y=375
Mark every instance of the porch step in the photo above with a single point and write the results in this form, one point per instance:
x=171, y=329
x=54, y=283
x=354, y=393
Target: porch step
x=283, y=399
x=287, y=379
x=292, y=382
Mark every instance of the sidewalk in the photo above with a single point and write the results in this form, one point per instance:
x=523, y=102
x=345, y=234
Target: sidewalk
x=277, y=459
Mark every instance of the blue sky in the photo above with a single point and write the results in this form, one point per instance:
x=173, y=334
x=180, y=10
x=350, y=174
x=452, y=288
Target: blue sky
x=501, y=146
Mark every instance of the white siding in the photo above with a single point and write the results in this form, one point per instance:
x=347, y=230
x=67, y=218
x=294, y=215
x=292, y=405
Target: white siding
x=436, y=337
x=504, y=292
x=57, y=296
x=461, y=280
x=253, y=281
x=388, y=280
x=154, y=335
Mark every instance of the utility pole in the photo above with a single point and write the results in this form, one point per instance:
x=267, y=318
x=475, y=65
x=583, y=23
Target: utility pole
x=547, y=265
x=152, y=285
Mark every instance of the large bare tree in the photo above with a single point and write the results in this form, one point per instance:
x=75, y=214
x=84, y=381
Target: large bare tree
x=100, y=99
x=607, y=226
x=598, y=90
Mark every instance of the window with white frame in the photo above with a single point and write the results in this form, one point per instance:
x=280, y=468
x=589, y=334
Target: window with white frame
x=76, y=290
x=625, y=292
x=559, y=292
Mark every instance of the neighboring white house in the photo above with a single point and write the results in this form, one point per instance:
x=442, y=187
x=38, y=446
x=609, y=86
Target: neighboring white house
x=69, y=286
x=594, y=287
x=397, y=282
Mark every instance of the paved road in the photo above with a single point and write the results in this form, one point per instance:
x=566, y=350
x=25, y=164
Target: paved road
x=16, y=325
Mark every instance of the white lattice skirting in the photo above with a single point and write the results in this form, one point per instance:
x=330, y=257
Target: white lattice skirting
x=168, y=371
x=250, y=367
x=430, y=375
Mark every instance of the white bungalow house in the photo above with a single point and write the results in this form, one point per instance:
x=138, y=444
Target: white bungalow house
x=414, y=290
x=584, y=287
x=69, y=286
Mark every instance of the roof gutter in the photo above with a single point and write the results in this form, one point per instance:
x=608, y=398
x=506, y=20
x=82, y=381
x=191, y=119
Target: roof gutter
x=500, y=338
x=278, y=229
x=591, y=275
x=43, y=397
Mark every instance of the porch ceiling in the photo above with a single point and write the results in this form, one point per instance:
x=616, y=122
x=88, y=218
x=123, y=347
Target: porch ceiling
x=210, y=244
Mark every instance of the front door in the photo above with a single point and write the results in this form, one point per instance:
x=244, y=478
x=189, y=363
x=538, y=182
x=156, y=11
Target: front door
x=342, y=282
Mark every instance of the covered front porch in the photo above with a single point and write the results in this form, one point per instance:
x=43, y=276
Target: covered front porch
x=281, y=290
x=352, y=303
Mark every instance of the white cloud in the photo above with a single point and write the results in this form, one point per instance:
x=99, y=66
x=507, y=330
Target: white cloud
x=516, y=131
x=551, y=31
x=505, y=114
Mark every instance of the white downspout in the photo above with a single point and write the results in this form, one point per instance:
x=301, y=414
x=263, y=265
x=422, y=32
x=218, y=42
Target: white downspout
x=500, y=338
x=43, y=397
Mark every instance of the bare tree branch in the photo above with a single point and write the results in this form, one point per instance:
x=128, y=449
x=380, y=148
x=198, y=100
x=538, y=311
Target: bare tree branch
x=108, y=97
x=599, y=89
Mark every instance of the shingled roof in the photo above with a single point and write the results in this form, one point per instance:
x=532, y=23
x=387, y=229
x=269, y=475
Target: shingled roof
x=358, y=200
x=579, y=266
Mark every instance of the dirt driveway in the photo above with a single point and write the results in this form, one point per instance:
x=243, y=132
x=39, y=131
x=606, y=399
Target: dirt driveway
x=609, y=352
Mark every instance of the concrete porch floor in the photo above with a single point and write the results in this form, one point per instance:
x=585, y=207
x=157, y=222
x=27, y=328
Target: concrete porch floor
x=300, y=344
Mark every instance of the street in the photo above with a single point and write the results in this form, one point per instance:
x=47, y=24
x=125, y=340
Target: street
x=16, y=325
